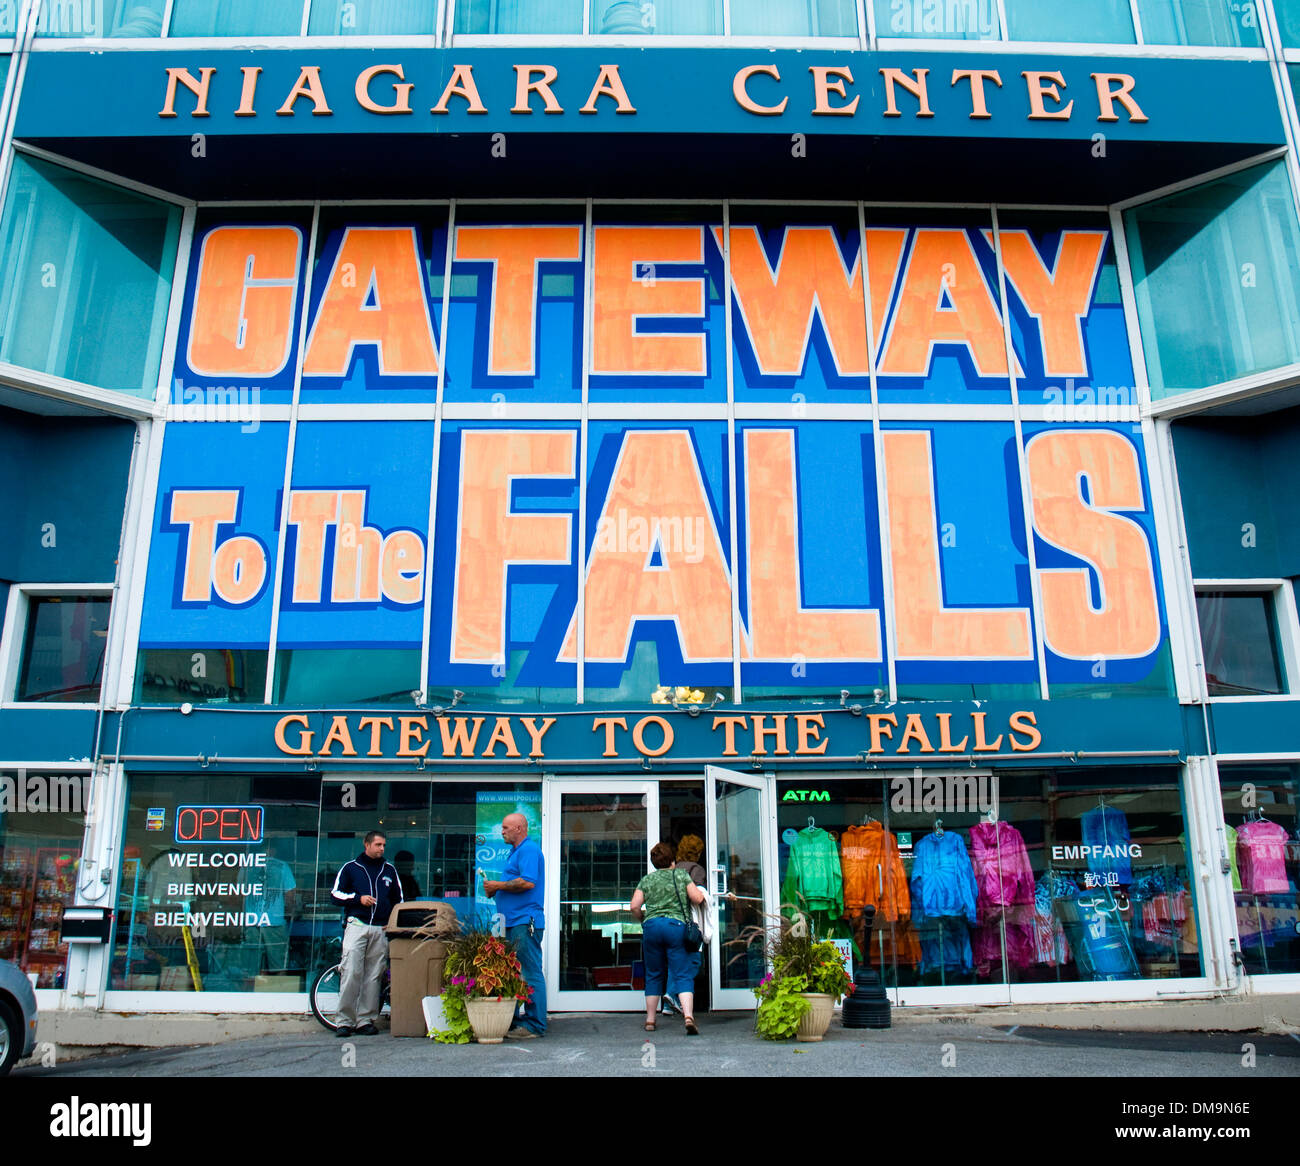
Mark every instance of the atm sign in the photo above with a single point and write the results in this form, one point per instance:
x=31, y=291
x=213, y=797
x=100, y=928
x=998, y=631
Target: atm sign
x=225, y=825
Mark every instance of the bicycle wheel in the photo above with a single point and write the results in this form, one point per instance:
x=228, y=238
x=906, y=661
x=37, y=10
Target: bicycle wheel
x=325, y=996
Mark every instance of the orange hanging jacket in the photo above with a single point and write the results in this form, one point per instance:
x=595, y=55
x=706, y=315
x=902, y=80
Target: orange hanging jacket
x=873, y=873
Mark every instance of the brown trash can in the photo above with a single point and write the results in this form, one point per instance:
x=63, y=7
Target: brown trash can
x=416, y=963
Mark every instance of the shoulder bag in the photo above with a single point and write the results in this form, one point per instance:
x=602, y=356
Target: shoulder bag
x=693, y=939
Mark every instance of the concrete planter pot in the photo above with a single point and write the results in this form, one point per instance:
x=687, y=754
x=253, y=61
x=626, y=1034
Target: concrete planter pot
x=817, y=1019
x=490, y=1017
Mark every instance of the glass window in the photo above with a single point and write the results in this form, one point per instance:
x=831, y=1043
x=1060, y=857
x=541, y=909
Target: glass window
x=509, y=17
x=1223, y=23
x=1216, y=270
x=250, y=910
x=1100, y=22
x=371, y=18
x=981, y=878
x=1262, y=840
x=657, y=17
x=40, y=843
x=1239, y=637
x=954, y=20
x=63, y=651
x=87, y=278
x=201, y=676
x=236, y=18
x=69, y=18
x=1288, y=21
x=793, y=18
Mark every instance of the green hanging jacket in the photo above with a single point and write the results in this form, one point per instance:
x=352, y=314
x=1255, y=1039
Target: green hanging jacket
x=813, y=881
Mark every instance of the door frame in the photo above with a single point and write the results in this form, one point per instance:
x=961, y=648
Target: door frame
x=742, y=999
x=553, y=789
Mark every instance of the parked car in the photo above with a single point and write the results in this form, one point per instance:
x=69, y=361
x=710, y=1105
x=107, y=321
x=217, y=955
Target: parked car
x=17, y=1016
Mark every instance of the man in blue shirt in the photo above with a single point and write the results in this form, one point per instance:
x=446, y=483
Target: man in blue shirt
x=519, y=899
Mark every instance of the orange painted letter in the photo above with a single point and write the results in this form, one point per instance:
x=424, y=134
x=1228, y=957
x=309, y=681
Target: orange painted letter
x=926, y=629
x=777, y=306
x=245, y=293
x=629, y=284
x=1127, y=624
x=491, y=536
x=514, y=253
x=780, y=628
x=942, y=264
x=375, y=295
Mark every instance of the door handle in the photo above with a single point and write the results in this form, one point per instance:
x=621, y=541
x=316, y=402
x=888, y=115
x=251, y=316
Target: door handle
x=720, y=874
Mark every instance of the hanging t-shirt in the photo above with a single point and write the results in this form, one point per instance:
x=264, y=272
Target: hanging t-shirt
x=1261, y=857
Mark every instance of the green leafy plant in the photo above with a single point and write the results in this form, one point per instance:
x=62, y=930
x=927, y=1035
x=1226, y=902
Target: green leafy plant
x=799, y=963
x=458, y=1031
x=781, y=1006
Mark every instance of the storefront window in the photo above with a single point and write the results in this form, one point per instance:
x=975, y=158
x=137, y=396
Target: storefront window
x=1216, y=270
x=982, y=877
x=87, y=278
x=509, y=17
x=1223, y=23
x=966, y=20
x=41, y=826
x=793, y=18
x=1103, y=22
x=73, y=18
x=1262, y=845
x=1239, y=637
x=63, y=650
x=237, y=18
x=232, y=894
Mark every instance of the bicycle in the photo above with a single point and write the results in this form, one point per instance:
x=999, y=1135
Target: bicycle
x=324, y=996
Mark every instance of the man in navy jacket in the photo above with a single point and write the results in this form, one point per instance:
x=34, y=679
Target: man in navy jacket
x=369, y=889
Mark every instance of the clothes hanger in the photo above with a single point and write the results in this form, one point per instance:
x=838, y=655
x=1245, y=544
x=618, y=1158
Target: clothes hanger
x=991, y=817
x=867, y=819
x=812, y=822
x=938, y=827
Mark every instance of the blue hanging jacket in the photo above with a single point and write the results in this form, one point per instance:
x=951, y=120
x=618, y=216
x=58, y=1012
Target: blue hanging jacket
x=943, y=881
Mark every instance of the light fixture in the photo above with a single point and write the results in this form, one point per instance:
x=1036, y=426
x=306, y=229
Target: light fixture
x=186, y=709
x=855, y=709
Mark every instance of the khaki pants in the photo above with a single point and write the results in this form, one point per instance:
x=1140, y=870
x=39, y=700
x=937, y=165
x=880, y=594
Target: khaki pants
x=365, y=950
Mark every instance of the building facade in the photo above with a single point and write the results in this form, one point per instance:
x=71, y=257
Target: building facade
x=852, y=436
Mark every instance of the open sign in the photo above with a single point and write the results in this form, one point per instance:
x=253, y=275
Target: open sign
x=227, y=825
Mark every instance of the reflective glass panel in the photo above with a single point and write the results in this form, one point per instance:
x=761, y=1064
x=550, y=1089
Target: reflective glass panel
x=938, y=19
x=87, y=276
x=236, y=18
x=1224, y=23
x=1098, y=22
x=794, y=18
x=63, y=652
x=1216, y=271
x=657, y=17
x=511, y=17
x=108, y=18
x=371, y=17
x=1239, y=639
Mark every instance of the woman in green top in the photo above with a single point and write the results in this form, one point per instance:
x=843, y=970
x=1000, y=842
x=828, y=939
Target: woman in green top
x=663, y=899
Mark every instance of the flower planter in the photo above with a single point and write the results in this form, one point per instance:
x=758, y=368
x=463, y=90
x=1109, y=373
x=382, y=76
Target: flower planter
x=490, y=1017
x=817, y=1019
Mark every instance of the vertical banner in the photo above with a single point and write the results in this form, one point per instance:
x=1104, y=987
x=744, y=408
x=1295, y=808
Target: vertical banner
x=491, y=849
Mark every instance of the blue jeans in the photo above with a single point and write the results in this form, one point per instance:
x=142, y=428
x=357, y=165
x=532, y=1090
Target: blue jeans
x=529, y=949
x=668, y=965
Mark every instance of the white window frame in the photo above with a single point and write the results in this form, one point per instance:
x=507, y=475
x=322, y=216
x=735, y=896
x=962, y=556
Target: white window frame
x=15, y=635
x=1288, y=633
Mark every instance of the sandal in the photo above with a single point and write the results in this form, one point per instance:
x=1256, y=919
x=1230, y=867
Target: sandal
x=691, y=1030
x=649, y=1026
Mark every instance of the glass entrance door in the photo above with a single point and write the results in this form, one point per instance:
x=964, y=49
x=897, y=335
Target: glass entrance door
x=599, y=832
x=742, y=881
